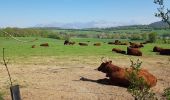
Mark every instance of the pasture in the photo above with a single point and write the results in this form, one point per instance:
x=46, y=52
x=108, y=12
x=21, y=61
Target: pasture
x=56, y=72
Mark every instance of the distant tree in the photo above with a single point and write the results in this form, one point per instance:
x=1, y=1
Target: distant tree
x=152, y=37
x=162, y=13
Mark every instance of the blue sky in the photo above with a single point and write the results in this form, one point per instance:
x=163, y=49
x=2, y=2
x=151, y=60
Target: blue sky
x=26, y=13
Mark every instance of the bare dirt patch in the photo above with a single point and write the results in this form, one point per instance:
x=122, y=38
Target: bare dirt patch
x=74, y=78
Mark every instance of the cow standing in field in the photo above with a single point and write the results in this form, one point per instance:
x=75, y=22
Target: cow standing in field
x=133, y=51
x=119, y=76
x=44, y=45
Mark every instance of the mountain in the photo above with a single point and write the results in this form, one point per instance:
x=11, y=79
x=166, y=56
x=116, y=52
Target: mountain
x=82, y=25
x=102, y=24
x=159, y=24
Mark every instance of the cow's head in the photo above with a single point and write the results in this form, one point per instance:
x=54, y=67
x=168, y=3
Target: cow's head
x=104, y=65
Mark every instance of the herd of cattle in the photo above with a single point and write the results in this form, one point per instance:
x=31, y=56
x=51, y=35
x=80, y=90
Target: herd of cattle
x=119, y=76
x=132, y=48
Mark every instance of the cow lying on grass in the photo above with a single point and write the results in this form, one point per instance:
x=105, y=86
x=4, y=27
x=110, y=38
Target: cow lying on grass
x=44, y=45
x=157, y=49
x=133, y=51
x=119, y=51
x=83, y=44
x=162, y=51
x=119, y=76
x=97, y=44
x=135, y=45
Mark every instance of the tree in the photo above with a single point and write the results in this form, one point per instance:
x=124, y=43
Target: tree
x=162, y=13
x=152, y=37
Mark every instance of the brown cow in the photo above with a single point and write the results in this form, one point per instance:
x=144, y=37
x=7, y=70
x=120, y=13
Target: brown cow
x=44, y=45
x=66, y=42
x=119, y=75
x=133, y=51
x=111, y=43
x=72, y=43
x=97, y=44
x=83, y=44
x=165, y=52
x=119, y=51
x=157, y=49
x=135, y=45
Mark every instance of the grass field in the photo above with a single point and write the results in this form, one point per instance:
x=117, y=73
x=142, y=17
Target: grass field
x=14, y=48
x=54, y=72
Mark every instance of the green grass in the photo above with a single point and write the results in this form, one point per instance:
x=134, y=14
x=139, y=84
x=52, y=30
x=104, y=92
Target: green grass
x=15, y=49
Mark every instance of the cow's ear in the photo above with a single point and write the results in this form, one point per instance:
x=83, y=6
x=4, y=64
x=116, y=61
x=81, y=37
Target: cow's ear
x=110, y=61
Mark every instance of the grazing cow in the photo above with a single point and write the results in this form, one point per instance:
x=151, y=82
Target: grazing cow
x=119, y=51
x=133, y=51
x=119, y=76
x=44, y=45
x=83, y=44
x=97, y=44
x=165, y=52
x=33, y=46
x=157, y=49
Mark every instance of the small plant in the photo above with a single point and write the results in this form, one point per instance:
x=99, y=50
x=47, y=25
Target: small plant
x=167, y=93
x=1, y=96
x=138, y=87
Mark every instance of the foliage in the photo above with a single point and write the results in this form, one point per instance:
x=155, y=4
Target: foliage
x=135, y=37
x=167, y=93
x=138, y=87
x=1, y=96
x=164, y=15
x=152, y=37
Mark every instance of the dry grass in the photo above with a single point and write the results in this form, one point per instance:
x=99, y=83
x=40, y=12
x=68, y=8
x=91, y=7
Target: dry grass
x=59, y=78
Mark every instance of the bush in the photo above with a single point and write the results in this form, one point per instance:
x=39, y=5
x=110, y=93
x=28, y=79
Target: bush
x=138, y=87
x=135, y=37
x=1, y=96
x=152, y=37
x=167, y=93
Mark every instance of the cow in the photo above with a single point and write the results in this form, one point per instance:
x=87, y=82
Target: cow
x=119, y=76
x=165, y=52
x=66, y=42
x=157, y=49
x=111, y=43
x=135, y=45
x=117, y=42
x=72, y=43
x=133, y=51
x=119, y=51
x=97, y=44
x=44, y=44
x=33, y=46
x=83, y=44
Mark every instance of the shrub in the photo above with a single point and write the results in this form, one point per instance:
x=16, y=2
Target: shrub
x=138, y=87
x=1, y=96
x=167, y=93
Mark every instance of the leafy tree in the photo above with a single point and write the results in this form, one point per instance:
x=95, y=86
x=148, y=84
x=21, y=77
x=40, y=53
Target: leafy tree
x=162, y=13
x=152, y=37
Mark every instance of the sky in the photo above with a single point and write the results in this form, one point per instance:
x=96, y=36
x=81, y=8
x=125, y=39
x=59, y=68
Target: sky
x=28, y=13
